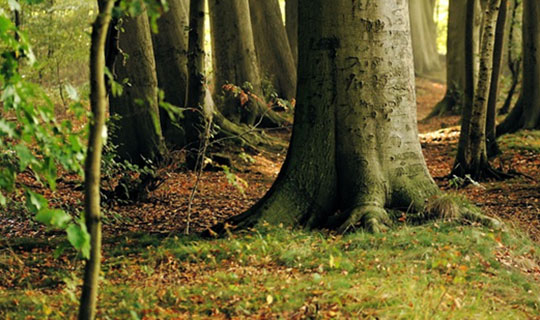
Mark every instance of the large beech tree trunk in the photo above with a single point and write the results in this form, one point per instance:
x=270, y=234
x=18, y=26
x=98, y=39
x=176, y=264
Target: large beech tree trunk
x=472, y=153
x=138, y=131
x=273, y=50
x=424, y=37
x=291, y=24
x=354, y=155
x=456, y=69
x=170, y=51
x=526, y=113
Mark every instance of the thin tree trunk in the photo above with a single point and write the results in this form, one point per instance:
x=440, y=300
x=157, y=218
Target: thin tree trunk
x=291, y=24
x=92, y=168
x=514, y=62
x=491, y=134
x=197, y=114
x=170, y=51
x=274, y=53
x=138, y=131
x=472, y=153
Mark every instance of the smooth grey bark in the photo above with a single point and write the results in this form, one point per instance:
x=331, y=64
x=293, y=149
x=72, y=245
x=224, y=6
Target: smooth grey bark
x=274, y=53
x=234, y=56
x=291, y=24
x=354, y=155
x=138, y=129
x=456, y=73
x=471, y=156
x=424, y=37
x=170, y=51
x=526, y=113
x=92, y=166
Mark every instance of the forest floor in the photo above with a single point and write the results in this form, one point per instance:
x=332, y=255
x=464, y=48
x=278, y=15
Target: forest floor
x=154, y=272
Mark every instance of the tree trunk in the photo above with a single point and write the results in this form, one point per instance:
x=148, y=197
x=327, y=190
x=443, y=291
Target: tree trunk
x=491, y=134
x=197, y=118
x=138, y=131
x=170, y=51
x=272, y=46
x=526, y=113
x=472, y=154
x=291, y=24
x=354, y=155
x=454, y=99
x=424, y=37
x=234, y=56
x=92, y=167
x=514, y=58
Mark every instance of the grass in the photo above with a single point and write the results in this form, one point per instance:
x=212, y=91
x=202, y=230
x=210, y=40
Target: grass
x=436, y=271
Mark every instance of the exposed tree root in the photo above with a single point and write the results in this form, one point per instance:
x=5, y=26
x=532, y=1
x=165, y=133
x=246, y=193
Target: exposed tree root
x=447, y=106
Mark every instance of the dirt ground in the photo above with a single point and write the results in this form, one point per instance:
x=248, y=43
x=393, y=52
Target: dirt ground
x=516, y=201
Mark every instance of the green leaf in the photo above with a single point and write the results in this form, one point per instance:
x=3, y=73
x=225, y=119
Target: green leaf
x=79, y=238
x=53, y=217
x=25, y=156
x=2, y=200
x=35, y=202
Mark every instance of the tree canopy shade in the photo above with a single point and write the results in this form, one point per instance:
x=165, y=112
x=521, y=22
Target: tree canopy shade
x=354, y=156
x=526, y=113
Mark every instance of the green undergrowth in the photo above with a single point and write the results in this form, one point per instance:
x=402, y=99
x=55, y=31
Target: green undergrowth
x=435, y=271
x=521, y=140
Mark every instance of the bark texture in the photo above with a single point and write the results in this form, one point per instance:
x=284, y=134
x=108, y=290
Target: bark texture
x=170, y=51
x=138, y=131
x=491, y=134
x=92, y=167
x=526, y=113
x=354, y=154
x=234, y=56
x=291, y=24
x=272, y=46
x=424, y=37
x=472, y=153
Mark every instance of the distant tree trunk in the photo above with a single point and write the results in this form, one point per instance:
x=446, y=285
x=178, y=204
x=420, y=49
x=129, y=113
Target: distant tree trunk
x=472, y=153
x=170, y=51
x=491, y=134
x=453, y=100
x=272, y=46
x=291, y=24
x=424, y=37
x=234, y=56
x=514, y=59
x=526, y=113
x=138, y=131
x=92, y=167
